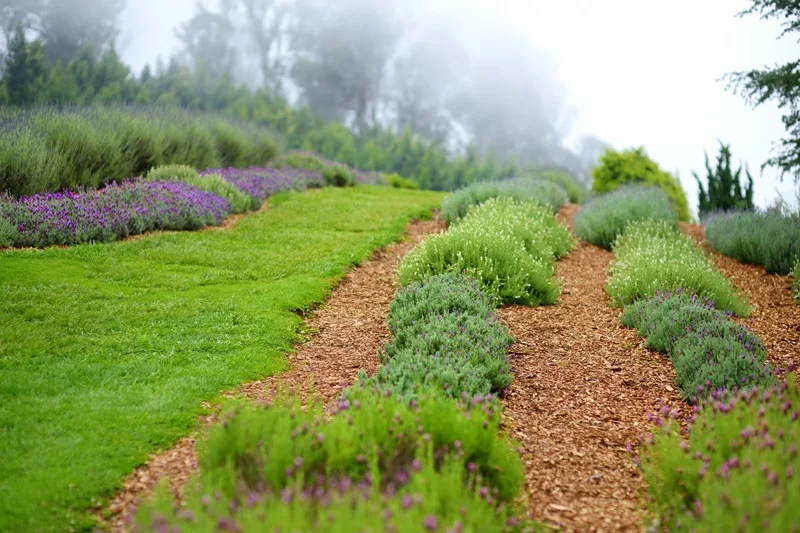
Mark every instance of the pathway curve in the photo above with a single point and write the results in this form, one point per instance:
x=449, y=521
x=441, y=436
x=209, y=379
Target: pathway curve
x=345, y=335
x=583, y=387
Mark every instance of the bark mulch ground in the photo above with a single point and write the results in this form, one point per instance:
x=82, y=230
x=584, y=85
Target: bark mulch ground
x=582, y=391
x=348, y=331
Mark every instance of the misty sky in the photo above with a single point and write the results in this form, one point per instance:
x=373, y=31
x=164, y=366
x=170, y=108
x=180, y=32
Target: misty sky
x=637, y=72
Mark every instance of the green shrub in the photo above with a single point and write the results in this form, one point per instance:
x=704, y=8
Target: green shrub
x=604, y=218
x=547, y=193
x=447, y=338
x=8, y=231
x=50, y=149
x=399, y=182
x=796, y=282
x=575, y=190
x=709, y=351
x=768, y=239
x=450, y=293
x=634, y=166
x=266, y=458
x=738, y=471
x=724, y=191
x=300, y=159
x=338, y=176
x=528, y=222
x=653, y=256
x=213, y=183
x=172, y=172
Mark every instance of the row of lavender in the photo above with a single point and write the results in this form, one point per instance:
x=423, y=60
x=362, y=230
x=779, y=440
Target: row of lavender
x=732, y=467
x=140, y=205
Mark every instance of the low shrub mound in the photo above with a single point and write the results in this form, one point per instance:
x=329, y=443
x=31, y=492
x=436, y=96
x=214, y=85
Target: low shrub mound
x=768, y=239
x=399, y=182
x=709, y=351
x=447, y=338
x=432, y=464
x=52, y=149
x=575, y=189
x=259, y=183
x=239, y=201
x=112, y=213
x=546, y=193
x=605, y=218
x=653, y=256
x=635, y=167
x=738, y=470
x=795, y=283
x=507, y=246
x=313, y=161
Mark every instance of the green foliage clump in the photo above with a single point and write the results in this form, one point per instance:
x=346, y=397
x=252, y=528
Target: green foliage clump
x=399, y=182
x=447, y=338
x=376, y=451
x=574, y=188
x=338, y=176
x=634, y=166
x=547, y=193
x=213, y=183
x=653, y=256
x=769, y=239
x=737, y=471
x=8, y=232
x=50, y=149
x=796, y=282
x=507, y=246
x=605, y=218
x=709, y=351
x=724, y=190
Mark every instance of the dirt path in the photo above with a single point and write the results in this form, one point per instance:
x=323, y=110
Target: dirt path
x=348, y=330
x=582, y=391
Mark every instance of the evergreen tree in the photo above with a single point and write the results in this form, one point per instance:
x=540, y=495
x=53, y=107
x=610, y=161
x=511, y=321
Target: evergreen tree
x=724, y=191
x=780, y=84
x=26, y=70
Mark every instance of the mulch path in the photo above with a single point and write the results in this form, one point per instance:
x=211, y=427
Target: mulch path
x=582, y=391
x=348, y=331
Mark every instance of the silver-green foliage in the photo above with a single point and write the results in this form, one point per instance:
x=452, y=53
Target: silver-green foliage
x=604, y=218
x=796, y=282
x=547, y=193
x=653, y=256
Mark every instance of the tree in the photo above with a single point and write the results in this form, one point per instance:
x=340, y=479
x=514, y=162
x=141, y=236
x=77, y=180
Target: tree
x=207, y=43
x=265, y=21
x=780, y=83
x=26, y=70
x=724, y=190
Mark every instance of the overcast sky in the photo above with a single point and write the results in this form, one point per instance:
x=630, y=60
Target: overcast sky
x=639, y=72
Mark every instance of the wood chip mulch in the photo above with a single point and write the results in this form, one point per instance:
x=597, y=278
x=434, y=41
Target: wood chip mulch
x=582, y=391
x=348, y=331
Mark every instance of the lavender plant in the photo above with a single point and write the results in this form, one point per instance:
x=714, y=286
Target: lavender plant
x=430, y=457
x=604, y=218
x=769, y=239
x=115, y=212
x=708, y=350
x=652, y=256
x=544, y=192
x=262, y=182
x=738, y=470
x=213, y=183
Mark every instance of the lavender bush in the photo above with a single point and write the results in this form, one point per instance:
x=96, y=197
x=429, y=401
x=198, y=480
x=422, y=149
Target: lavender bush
x=111, y=213
x=262, y=182
x=709, y=351
x=739, y=470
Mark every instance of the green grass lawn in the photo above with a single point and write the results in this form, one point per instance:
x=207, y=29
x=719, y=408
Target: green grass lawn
x=107, y=351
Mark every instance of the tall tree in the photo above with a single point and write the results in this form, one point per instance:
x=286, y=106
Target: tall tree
x=341, y=52
x=26, y=69
x=207, y=43
x=780, y=84
x=265, y=22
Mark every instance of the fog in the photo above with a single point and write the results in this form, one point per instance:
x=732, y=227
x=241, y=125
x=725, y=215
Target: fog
x=632, y=72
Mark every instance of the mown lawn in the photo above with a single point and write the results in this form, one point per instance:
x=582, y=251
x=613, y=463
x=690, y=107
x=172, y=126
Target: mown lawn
x=107, y=351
